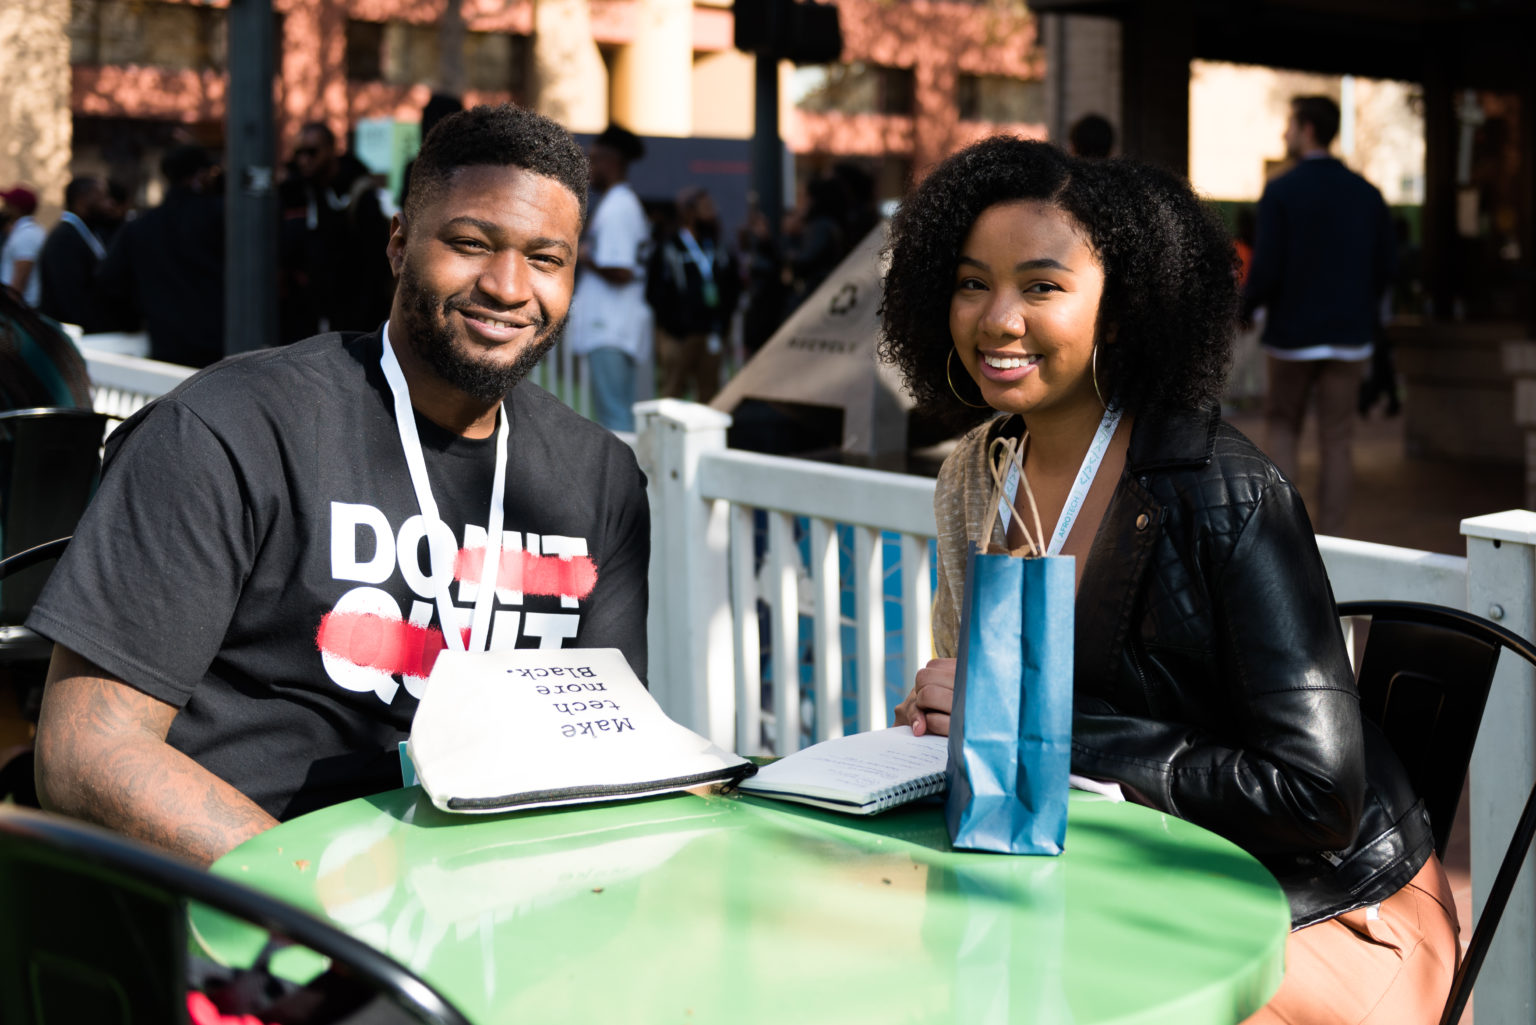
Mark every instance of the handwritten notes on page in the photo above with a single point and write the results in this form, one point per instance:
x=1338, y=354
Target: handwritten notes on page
x=530, y=728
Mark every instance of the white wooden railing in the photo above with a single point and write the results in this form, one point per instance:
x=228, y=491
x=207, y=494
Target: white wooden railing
x=711, y=569
x=123, y=382
x=121, y=385
x=724, y=545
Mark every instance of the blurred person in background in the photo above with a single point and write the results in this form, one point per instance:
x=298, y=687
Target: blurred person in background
x=692, y=284
x=335, y=276
x=71, y=255
x=609, y=322
x=1091, y=137
x=165, y=269
x=1322, y=260
x=763, y=280
x=23, y=244
x=861, y=213
x=115, y=210
x=814, y=240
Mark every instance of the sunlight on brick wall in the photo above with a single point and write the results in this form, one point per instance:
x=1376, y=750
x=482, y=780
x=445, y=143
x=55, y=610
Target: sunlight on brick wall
x=34, y=98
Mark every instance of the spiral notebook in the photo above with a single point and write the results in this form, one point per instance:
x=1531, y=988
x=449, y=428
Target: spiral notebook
x=860, y=774
x=868, y=772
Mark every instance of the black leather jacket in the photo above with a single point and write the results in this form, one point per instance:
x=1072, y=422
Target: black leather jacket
x=1212, y=679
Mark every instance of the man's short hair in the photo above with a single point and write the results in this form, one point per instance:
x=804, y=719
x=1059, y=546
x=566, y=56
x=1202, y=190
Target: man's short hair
x=502, y=136
x=78, y=188
x=1092, y=136
x=622, y=141
x=1321, y=113
x=183, y=163
x=322, y=129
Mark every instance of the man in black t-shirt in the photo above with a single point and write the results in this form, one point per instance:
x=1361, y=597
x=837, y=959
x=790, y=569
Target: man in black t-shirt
x=248, y=612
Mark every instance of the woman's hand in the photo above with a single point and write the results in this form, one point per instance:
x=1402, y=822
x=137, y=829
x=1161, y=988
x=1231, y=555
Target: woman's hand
x=927, y=708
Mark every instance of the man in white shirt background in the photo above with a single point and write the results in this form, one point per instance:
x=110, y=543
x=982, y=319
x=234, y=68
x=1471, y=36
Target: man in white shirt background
x=18, y=258
x=610, y=322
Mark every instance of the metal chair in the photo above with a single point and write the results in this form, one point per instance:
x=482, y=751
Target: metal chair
x=16, y=763
x=93, y=928
x=1424, y=680
x=50, y=460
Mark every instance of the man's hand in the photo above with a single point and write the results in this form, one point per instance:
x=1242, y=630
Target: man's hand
x=927, y=708
x=102, y=757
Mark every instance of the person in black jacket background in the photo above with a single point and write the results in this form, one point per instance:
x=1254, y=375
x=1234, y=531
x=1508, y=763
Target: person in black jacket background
x=692, y=285
x=1322, y=262
x=166, y=267
x=71, y=255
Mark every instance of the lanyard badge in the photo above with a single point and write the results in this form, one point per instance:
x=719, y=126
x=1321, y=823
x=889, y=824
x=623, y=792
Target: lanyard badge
x=1080, y=485
x=410, y=443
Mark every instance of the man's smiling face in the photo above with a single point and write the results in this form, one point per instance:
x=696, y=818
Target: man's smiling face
x=485, y=270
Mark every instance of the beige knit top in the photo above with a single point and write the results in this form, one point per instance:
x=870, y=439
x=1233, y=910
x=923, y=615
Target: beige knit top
x=959, y=508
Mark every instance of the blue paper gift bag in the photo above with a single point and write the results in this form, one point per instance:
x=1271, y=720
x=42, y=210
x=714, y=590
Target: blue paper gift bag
x=1010, y=740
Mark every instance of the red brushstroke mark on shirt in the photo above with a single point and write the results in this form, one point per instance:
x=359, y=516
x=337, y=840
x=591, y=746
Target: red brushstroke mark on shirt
x=547, y=575
x=399, y=648
x=380, y=642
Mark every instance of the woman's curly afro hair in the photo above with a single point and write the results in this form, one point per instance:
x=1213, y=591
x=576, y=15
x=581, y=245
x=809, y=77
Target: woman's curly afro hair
x=1167, y=315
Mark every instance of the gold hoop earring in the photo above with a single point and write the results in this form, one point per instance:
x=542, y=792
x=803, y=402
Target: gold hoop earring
x=1096, y=377
x=948, y=376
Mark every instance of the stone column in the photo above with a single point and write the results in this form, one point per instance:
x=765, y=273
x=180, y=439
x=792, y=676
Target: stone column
x=570, y=79
x=653, y=76
x=36, y=132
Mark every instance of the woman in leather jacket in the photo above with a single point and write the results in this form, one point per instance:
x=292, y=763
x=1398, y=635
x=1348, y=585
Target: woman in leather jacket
x=1095, y=303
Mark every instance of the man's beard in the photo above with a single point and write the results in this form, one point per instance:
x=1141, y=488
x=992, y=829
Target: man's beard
x=428, y=334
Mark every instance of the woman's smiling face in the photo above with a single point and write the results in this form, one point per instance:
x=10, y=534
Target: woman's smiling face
x=1024, y=311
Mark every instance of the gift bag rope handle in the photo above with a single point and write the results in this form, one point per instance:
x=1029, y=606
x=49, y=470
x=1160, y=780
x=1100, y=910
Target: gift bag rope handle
x=1002, y=454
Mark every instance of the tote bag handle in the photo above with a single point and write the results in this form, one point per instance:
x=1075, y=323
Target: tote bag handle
x=1003, y=454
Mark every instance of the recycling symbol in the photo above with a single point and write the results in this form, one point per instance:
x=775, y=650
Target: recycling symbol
x=845, y=299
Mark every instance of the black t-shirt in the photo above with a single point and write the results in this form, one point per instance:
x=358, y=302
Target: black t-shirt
x=255, y=556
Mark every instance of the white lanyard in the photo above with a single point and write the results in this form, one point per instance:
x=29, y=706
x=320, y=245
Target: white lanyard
x=86, y=233
x=1080, y=486
x=705, y=262
x=405, y=421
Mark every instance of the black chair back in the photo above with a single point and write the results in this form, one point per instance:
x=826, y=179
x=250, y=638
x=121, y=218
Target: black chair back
x=1424, y=680
x=50, y=460
x=93, y=928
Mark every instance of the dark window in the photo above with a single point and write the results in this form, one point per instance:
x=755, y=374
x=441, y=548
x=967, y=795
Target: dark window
x=398, y=53
x=1000, y=98
x=365, y=50
x=854, y=88
x=498, y=61
x=149, y=34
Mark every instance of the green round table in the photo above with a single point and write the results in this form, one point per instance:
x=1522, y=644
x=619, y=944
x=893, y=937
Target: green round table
x=693, y=909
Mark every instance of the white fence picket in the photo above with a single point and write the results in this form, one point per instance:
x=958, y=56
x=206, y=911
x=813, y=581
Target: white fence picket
x=784, y=615
x=749, y=673
x=869, y=611
x=828, y=629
